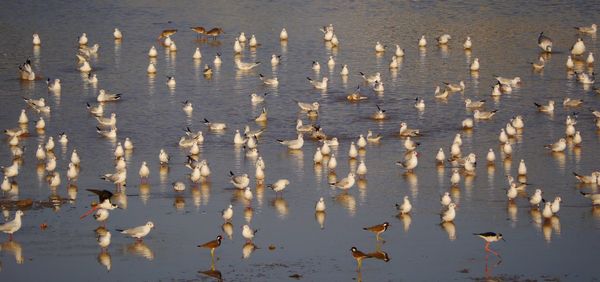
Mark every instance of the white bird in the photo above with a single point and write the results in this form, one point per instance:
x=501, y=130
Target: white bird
x=450, y=214
x=577, y=138
x=536, y=198
x=410, y=145
x=75, y=158
x=269, y=81
x=467, y=123
x=320, y=205
x=331, y=62
x=590, y=59
x=509, y=81
x=104, y=96
x=248, y=233
x=246, y=65
x=474, y=65
x=215, y=126
x=399, y=52
x=85, y=67
x=321, y=85
x=171, y=81
x=36, y=40
x=491, y=156
x=405, y=131
x=507, y=149
x=119, y=178
x=12, y=226
x=227, y=214
x=445, y=200
x=26, y=71
x=300, y=127
x=455, y=178
x=178, y=186
x=405, y=207
x=346, y=182
x=512, y=192
x=109, y=133
x=539, y=65
x=545, y=42
x=275, y=59
x=517, y=122
x=144, y=171
x=547, y=211
x=108, y=121
x=595, y=198
x=556, y=205
x=371, y=78
x=283, y=35
x=279, y=185
x=474, y=104
x=53, y=85
x=378, y=86
x=410, y=163
x=253, y=42
x=379, y=47
x=558, y=146
x=318, y=156
x=371, y=138
x=422, y=41
x=50, y=144
x=570, y=65
x=394, y=63
x=294, y=144
x=217, y=61
x=585, y=78
x=104, y=240
x=242, y=37
x=257, y=99
x=578, y=48
x=152, y=53
x=237, y=47
x=440, y=157
x=83, y=40
x=163, y=157
x=587, y=29
x=483, y=115
x=101, y=215
x=546, y=108
x=239, y=181
x=361, y=170
x=197, y=54
x=138, y=232
x=455, y=87
x=352, y=152
x=468, y=43
x=443, y=39
x=72, y=172
x=344, y=70
x=522, y=170
x=117, y=34
x=40, y=154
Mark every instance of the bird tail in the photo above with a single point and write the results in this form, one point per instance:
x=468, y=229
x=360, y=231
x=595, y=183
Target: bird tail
x=537, y=105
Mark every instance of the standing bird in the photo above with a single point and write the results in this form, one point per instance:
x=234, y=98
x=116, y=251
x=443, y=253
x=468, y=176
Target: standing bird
x=378, y=229
x=490, y=237
x=545, y=42
x=227, y=213
x=279, y=185
x=138, y=232
x=212, y=245
x=12, y=226
x=248, y=233
x=578, y=48
x=405, y=207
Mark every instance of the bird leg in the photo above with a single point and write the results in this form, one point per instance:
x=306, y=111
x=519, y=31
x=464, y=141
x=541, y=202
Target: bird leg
x=10, y=237
x=487, y=249
x=359, y=261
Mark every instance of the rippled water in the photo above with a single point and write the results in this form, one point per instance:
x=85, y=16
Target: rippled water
x=504, y=38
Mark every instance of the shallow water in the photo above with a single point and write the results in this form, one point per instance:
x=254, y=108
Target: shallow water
x=504, y=38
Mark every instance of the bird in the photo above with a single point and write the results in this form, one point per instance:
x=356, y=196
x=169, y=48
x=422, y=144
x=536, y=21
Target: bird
x=101, y=215
x=558, y=146
x=445, y=200
x=455, y=87
x=248, y=233
x=212, y=245
x=379, y=114
x=215, y=32
x=167, y=32
x=468, y=43
x=545, y=108
x=539, y=65
x=215, y=126
x=594, y=178
x=371, y=78
x=422, y=41
x=536, y=198
x=227, y=214
x=411, y=163
x=443, y=39
x=578, y=47
x=587, y=29
x=483, y=115
x=12, y=226
x=358, y=256
x=595, y=198
x=346, y=182
x=283, y=35
x=320, y=205
x=293, y=144
x=239, y=181
x=138, y=232
x=246, y=65
x=405, y=207
x=269, y=81
x=545, y=42
x=450, y=214
x=279, y=185
x=199, y=30
x=26, y=71
x=474, y=104
x=36, y=40
x=490, y=237
x=474, y=65
x=321, y=85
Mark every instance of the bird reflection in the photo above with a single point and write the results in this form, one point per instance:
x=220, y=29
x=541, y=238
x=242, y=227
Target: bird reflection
x=511, y=210
x=248, y=212
x=104, y=259
x=212, y=272
x=247, y=249
x=281, y=206
x=139, y=248
x=227, y=228
x=205, y=189
x=347, y=201
x=14, y=248
x=72, y=191
x=406, y=220
x=320, y=218
x=144, y=190
x=179, y=203
x=379, y=254
x=450, y=228
x=536, y=217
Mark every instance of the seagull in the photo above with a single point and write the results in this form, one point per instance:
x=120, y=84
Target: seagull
x=26, y=71
x=119, y=178
x=108, y=121
x=283, y=35
x=104, y=96
x=408, y=132
x=405, y=207
x=36, y=40
x=322, y=85
x=450, y=214
x=269, y=81
x=53, y=85
x=455, y=87
x=171, y=81
x=422, y=41
x=595, y=198
x=379, y=114
x=248, y=233
x=138, y=232
x=379, y=48
x=545, y=42
x=468, y=43
x=474, y=104
x=585, y=78
x=558, y=146
x=300, y=127
x=587, y=29
x=445, y=200
x=483, y=115
x=215, y=126
x=294, y=144
x=536, y=199
x=346, y=182
x=371, y=78
x=320, y=205
x=239, y=181
x=275, y=59
x=227, y=214
x=594, y=178
x=539, y=65
x=109, y=133
x=508, y=81
x=279, y=185
x=568, y=102
x=474, y=65
x=443, y=39
x=82, y=40
x=12, y=226
x=344, y=71
x=490, y=237
x=546, y=108
x=410, y=163
x=578, y=48
x=245, y=65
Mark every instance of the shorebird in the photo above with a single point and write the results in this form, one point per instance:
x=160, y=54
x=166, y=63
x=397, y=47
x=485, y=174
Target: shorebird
x=405, y=207
x=12, y=226
x=138, y=232
x=248, y=233
x=212, y=245
x=545, y=42
x=587, y=29
x=104, y=201
x=279, y=185
x=490, y=237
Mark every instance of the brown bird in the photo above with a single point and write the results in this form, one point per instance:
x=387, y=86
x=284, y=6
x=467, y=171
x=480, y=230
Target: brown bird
x=378, y=229
x=167, y=32
x=199, y=30
x=358, y=256
x=212, y=245
x=216, y=31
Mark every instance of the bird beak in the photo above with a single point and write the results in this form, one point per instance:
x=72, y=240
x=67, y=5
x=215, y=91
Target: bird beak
x=503, y=239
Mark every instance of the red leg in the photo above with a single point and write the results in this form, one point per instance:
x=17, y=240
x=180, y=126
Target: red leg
x=10, y=237
x=89, y=212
